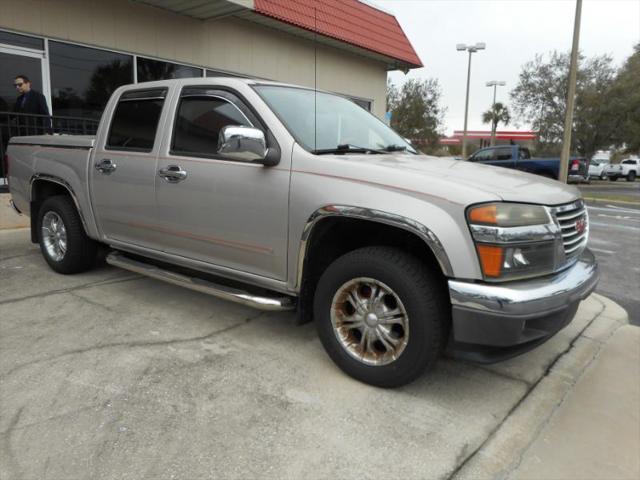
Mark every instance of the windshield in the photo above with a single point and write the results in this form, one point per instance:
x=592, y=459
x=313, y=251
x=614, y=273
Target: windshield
x=324, y=123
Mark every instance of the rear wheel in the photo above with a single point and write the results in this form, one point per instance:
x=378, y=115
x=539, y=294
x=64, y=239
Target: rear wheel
x=63, y=241
x=631, y=177
x=381, y=315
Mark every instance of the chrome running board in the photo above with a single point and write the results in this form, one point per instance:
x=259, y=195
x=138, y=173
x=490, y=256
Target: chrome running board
x=275, y=303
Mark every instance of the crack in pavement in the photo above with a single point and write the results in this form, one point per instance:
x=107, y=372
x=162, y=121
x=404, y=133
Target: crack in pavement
x=5, y=444
x=131, y=344
x=12, y=257
x=98, y=283
x=546, y=373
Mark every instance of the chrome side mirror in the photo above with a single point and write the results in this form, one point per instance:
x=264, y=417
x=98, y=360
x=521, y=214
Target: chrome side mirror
x=246, y=144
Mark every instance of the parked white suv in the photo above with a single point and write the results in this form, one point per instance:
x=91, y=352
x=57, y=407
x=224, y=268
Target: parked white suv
x=627, y=168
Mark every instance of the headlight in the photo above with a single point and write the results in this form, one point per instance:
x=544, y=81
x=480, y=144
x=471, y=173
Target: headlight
x=508, y=215
x=514, y=240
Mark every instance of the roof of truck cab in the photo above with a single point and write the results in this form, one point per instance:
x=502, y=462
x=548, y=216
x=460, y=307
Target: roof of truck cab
x=213, y=81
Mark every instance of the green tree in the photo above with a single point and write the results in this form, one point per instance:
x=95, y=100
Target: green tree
x=415, y=109
x=498, y=113
x=623, y=100
x=540, y=99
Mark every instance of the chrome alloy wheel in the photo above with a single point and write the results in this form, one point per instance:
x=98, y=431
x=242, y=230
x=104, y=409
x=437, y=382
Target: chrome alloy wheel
x=54, y=236
x=369, y=321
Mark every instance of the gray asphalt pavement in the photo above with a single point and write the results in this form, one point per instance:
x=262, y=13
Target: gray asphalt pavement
x=614, y=237
x=621, y=187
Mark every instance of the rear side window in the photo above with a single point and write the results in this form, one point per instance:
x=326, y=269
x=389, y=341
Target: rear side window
x=503, y=154
x=135, y=120
x=198, y=123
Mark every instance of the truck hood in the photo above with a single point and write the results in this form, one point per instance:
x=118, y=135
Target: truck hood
x=436, y=172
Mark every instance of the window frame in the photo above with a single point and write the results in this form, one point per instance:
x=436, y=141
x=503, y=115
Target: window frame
x=162, y=93
x=230, y=95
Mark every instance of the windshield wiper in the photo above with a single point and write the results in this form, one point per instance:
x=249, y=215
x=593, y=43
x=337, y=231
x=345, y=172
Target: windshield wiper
x=347, y=148
x=395, y=148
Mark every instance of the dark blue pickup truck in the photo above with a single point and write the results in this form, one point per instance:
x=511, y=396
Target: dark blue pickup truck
x=519, y=158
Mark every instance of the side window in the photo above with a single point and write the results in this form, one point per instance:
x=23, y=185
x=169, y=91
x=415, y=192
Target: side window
x=503, y=153
x=135, y=120
x=483, y=155
x=199, y=120
x=524, y=154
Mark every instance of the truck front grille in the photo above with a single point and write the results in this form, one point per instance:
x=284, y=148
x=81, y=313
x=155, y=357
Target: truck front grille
x=574, y=224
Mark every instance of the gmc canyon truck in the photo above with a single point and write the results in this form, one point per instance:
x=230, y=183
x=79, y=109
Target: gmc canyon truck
x=283, y=197
x=519, y=158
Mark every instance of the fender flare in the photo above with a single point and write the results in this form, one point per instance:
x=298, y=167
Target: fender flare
x=44, y=177
x=378, y=216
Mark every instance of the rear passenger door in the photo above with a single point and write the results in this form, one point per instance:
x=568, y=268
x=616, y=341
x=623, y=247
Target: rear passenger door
x=122, y=177
x=228, y=213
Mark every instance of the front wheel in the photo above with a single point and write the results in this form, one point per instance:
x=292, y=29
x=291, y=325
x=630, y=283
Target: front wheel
x=63, y=241
x=603, y=176
x=381, y=315
x=631, y=177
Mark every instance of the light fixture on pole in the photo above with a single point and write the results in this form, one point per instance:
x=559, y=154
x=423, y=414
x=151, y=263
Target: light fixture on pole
x=461, y=47
x=495, y=84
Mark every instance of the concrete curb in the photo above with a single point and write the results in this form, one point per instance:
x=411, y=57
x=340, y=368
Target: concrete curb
x=504, y=449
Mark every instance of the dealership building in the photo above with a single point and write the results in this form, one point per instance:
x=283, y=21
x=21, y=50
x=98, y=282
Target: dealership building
x=78, y=51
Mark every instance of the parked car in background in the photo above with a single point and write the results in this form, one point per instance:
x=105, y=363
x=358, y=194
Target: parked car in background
x=597, y=169
x=627, y=168
x=229, y=187
x=519, y=158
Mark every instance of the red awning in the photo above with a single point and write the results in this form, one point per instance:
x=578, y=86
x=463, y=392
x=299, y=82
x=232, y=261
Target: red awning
x=350, y=21
x=500, y=134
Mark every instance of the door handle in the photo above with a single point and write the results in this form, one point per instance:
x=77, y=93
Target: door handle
x=105, y=166
x=172, y=173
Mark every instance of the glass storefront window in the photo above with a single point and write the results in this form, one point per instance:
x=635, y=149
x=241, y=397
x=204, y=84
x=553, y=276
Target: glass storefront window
x=150, y=70
x=218, y=73
x=25, y=41
x=83, y=79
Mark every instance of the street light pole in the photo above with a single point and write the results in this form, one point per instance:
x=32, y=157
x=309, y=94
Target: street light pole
x=471, y=49
x=568, y=119
x=494, y=84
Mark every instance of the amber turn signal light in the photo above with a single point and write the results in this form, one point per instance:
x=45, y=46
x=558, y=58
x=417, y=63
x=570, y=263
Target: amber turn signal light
x=491, y=259
x=486, y=214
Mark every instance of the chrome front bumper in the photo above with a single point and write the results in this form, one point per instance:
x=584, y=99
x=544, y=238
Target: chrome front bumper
x=496, y=321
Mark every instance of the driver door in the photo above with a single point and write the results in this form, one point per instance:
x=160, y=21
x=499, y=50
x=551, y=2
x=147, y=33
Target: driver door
x=232, y=214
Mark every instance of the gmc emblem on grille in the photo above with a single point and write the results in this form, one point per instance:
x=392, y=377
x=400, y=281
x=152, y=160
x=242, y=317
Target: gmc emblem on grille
x=581, y=225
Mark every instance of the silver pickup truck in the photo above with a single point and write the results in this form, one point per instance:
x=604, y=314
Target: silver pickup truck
x=283, y=197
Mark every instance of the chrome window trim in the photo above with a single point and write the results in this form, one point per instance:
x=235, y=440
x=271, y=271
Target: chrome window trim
x=53, y=179
x=378, y=216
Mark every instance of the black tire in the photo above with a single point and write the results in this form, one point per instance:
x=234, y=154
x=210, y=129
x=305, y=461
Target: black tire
x=613, y=179
x=420, y=291
x=603, y=176
x=631, y=177
x=81, y=251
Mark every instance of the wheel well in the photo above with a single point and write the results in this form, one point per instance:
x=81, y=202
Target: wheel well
x=335, y=236
x=40, y=191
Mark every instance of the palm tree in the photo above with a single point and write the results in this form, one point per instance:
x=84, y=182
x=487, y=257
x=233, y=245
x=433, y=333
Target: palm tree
x=496, y=114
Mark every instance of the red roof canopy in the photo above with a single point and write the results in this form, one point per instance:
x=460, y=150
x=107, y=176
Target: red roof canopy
x=350, y=21
x=500, y=134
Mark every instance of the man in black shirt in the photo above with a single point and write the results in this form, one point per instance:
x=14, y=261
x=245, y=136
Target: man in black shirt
x=33, y=102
